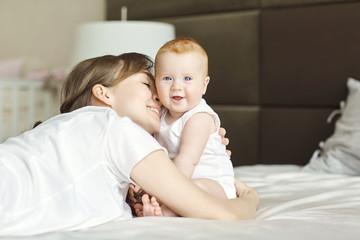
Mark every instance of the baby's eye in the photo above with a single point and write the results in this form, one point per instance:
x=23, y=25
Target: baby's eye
x=187, y=78
x=167, y=78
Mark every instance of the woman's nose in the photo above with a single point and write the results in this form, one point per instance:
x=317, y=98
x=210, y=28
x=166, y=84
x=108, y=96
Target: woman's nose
x=157, y=99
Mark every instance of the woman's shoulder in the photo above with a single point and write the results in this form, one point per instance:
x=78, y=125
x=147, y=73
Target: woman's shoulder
x=92, y=113
x=94, y=118
x=92, y=109
x=85, y=117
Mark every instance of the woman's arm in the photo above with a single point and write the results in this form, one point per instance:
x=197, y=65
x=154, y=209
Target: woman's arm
x=133, y=190
x=158, y=176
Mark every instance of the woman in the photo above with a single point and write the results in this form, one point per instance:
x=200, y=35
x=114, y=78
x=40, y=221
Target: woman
x=73, y=171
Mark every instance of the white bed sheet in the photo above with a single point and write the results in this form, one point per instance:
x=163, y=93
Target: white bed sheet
x=293, y=205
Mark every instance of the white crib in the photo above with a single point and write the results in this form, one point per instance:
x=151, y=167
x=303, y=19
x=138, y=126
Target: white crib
x=23, y=102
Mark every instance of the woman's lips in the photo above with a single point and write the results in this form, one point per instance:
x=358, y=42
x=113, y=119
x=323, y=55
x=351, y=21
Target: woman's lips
x=156, y=110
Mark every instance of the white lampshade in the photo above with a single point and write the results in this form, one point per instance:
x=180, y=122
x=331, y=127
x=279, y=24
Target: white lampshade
x=117, y=37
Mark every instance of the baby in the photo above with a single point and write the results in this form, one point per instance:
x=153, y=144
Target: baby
x=189, y=127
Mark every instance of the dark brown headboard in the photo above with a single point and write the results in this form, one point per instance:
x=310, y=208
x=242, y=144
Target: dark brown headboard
x=277, y=68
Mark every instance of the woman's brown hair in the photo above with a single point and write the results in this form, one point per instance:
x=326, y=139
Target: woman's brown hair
x=106, y=70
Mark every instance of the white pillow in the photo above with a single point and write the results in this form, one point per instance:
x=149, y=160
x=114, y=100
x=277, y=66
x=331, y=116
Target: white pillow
x=341, y=152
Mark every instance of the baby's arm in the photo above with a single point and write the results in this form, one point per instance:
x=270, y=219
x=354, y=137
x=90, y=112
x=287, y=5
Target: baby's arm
x=193, y=140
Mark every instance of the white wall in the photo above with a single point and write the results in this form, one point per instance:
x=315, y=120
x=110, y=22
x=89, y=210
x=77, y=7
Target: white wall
x=42, y=30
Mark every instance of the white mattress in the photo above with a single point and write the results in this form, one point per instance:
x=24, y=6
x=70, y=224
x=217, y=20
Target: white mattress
x=293, y=205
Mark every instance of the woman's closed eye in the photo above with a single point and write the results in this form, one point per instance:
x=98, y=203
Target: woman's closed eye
x=147, y=84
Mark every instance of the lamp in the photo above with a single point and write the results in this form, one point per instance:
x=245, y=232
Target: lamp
x=116, y=37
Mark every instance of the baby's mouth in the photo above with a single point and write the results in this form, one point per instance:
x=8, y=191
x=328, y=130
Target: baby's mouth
x=177, y=98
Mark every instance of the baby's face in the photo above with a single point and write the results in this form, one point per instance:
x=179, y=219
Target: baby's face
x=181, y=80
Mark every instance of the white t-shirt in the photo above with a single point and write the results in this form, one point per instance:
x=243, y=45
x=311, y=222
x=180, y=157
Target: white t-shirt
x=71, y=172
x=214, y=162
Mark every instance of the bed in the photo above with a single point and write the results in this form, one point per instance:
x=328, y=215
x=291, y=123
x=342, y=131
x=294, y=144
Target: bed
x=320, y=200
x=295, y=204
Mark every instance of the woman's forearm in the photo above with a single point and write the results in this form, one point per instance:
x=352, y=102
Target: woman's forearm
x=158, y=176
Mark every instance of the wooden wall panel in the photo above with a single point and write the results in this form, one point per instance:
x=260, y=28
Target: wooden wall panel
x=148, y=9
x=291, y=135
x=306, y=52
x=242, y=126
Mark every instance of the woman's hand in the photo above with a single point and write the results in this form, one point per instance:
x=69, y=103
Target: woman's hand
x=224, y=140
x=242, y=190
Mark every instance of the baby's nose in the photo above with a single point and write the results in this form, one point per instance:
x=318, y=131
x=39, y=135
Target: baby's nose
x=175, y=86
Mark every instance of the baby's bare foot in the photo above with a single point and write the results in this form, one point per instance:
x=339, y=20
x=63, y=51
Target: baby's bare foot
x=151, y=207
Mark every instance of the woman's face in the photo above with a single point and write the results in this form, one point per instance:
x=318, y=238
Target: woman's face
x=135, y=97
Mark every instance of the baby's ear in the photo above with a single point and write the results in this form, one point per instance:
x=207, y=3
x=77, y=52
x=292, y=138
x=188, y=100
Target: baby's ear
x=206, y=82
x=102, y=94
